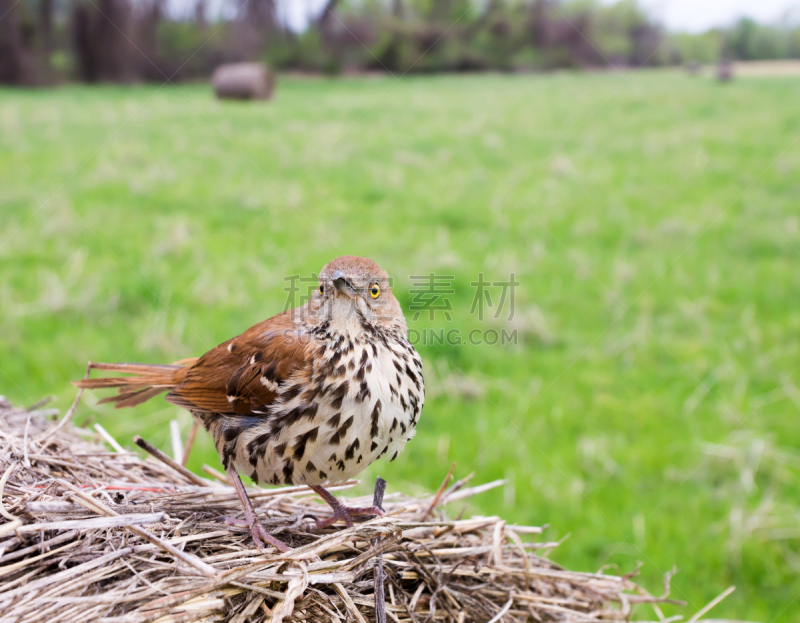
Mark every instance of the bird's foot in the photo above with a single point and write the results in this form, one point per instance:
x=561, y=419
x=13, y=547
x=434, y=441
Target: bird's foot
x=346, y=513
x=258, y=532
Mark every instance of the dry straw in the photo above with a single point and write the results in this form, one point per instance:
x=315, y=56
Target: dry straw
x=95, y=535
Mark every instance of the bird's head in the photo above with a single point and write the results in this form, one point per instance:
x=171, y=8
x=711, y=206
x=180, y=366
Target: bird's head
x=354, y=296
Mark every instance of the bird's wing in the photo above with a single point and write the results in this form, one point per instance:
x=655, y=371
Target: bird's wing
x=243, y=375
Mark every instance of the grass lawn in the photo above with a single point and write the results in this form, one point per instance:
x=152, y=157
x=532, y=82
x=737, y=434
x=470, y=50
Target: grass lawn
x=650, y=409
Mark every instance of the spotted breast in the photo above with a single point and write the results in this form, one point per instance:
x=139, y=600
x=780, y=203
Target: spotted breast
x=359, y=401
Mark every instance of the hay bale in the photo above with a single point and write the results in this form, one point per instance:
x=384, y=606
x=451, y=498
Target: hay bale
x=89, y=534
x=242, y=81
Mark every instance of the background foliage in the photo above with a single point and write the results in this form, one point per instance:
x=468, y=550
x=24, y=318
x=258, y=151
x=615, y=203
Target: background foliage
x=46, y=41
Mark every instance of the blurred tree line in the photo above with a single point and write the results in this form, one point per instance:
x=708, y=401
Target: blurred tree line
x=747, y=40
x=46, y=41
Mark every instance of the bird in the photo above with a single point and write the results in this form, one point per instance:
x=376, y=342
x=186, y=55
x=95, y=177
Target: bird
x=310, y=396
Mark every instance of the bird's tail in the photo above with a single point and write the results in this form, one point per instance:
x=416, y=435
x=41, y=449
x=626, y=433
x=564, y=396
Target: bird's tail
x=146, y=380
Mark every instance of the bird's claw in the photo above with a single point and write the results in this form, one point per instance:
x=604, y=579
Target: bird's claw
x=258, y=533
x=346, y=513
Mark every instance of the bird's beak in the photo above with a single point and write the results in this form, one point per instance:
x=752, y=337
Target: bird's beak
x=343, y=284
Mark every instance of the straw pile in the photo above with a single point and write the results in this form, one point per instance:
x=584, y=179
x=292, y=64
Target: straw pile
x=90, y=534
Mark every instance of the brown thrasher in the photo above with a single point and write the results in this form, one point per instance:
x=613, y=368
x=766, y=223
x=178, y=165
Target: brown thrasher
x=311, y=396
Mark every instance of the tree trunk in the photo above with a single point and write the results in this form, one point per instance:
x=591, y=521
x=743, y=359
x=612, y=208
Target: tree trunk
x=46, y=29
x=325, y=20
x=17, y=65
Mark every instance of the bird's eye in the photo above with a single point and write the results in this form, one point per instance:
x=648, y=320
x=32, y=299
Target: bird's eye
x=321, y=289
x=375, y=291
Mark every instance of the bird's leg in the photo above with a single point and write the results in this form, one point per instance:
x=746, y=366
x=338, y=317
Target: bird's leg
x=340, y=511
x=257, y=531
x=190, y=441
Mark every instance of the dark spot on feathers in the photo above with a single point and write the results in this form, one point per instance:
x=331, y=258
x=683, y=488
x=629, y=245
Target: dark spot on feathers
x=270, y=370
x=311, y=435
x=394, y=456
x=374, y=418
x=340, y=465
x=228, y=452
x=351, y=450
x=310, y=467
x=280, y=449
x=299, y=449
x=323, y=475
x=412, y=376
x=334, y=420
x=292, y=392
x=339, y=394
x=288, y=470
x=256, y=447
x=341, y=431
x=303, y=440
x=232, y=432
x=326, y=369
x=394, y=425
x=310, y=411
x=364, y=392
x=254, y=476
x=373, y=446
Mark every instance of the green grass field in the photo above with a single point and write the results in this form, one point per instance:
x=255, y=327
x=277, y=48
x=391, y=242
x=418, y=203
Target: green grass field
x=651, y=407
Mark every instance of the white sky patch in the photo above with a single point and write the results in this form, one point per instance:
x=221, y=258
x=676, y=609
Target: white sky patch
x=296, y=13
x=700, y=15
x=675, y=15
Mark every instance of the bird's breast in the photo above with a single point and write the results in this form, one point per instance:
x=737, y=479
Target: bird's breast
x=361, y=401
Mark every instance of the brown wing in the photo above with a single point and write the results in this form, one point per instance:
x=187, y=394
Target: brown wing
x=242, y=376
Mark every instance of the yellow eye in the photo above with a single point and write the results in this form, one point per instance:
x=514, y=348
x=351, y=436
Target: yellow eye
x=321, y=289
x=375, y=291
